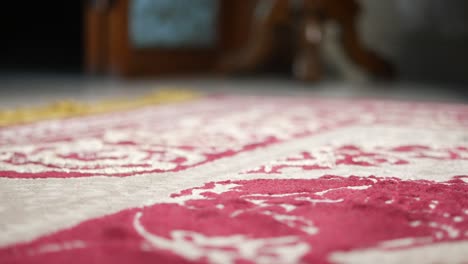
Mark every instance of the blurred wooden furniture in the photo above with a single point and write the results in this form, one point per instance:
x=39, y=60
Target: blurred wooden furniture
x=293, y=30
x=109, y=48
x=250, y=35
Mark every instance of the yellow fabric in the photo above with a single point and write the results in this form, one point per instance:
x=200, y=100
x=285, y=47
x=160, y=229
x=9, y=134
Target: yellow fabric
x=64, y=109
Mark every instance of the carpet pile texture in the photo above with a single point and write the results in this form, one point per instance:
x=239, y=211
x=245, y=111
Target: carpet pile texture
x=239, y=179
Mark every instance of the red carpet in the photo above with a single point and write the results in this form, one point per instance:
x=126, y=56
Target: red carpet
x=227, y=179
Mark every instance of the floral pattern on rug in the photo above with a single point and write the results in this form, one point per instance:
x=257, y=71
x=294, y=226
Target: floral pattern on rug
x=239, y=179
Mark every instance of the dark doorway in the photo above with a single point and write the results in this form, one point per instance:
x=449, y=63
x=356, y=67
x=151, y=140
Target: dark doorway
x=41, y=36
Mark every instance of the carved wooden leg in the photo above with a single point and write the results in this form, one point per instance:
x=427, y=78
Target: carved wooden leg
x=261, y=45
x=307, y=64
x=345, y=14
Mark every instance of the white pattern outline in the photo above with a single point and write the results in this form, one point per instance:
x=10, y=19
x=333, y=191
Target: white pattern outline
x=59, y=201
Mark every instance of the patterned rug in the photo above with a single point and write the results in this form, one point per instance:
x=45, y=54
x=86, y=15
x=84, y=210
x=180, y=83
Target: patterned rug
x=238, y=179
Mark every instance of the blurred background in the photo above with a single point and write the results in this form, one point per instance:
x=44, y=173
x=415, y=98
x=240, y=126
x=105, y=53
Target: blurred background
x=398, y=49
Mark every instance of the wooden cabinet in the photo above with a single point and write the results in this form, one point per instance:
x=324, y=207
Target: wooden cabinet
x=155, y=37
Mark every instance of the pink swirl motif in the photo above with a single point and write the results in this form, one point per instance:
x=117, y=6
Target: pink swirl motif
x=276, y=221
